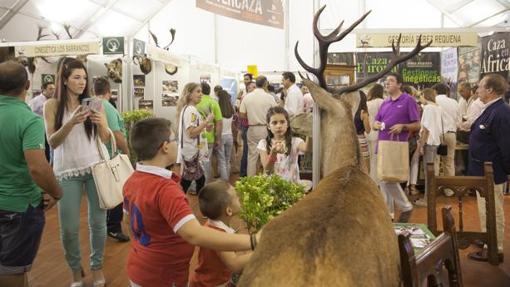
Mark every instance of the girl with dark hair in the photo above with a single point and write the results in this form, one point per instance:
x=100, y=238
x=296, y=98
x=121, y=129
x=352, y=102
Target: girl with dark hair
x=227, y=139
x=73, y=132
x=361, y=122
x=279, y=152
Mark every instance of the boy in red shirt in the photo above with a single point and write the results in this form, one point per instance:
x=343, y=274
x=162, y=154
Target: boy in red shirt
x=163, y=226
x=218, y=202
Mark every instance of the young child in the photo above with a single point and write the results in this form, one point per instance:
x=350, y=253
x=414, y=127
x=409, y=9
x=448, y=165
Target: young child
x=162, y=224
x=219, y=203
x=280, y=150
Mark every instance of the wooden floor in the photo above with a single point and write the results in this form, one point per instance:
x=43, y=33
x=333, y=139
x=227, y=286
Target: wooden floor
x=50, y=268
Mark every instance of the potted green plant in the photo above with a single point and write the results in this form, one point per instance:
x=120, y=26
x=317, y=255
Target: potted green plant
x=130, y=118
x=264, y=197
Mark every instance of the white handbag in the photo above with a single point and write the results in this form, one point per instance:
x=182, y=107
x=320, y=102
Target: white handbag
x=110, y=174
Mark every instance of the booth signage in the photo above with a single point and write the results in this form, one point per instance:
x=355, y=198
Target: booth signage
x=71, y=48
x=162, y=55
x=422, y=70
x=495, y=54
x=263, y=12
x=439, y=39
x=138, y=47
x=47, y=78
x=113, y=45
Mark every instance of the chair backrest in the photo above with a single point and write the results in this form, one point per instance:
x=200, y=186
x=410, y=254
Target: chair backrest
x=461, y=185
x=429, y=264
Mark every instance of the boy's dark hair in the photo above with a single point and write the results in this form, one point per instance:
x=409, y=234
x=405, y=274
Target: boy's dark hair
x=441, y=89
x=397, y=76
x=206, y=89
x=147, y=136
x=249, y=76
x=213, y=198
x=261, y=81
x=289, y=76
x=217, y=88
x=101, y=86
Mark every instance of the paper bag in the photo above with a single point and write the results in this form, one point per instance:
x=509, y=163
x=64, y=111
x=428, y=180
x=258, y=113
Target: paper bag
x=393, y=161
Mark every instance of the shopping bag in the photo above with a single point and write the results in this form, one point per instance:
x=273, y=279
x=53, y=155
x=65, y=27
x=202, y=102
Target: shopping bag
x=393, y=161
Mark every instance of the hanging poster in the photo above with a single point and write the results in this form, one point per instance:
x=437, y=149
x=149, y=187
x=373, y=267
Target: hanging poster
x=263, y=12
x=139, y=92
x=138, y=47
x=139, y=80
x=170, y=94
x=449, y=67
x=468, y=64
x=113, y=45
x=495, y=54
x=146, y=104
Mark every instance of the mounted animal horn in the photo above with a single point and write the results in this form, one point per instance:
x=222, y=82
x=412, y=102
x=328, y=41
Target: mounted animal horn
x=144, y=63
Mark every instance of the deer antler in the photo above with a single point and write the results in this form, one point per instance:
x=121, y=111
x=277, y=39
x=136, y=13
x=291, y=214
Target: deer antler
x=394, y=61
x=154, y=38
x=324, y=42
x=172, y=32
x=67, y=28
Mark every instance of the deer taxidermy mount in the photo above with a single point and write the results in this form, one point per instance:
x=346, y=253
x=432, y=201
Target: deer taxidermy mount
x=144, y=62
x=169, y=68
x=114, y=70
x=340, y=234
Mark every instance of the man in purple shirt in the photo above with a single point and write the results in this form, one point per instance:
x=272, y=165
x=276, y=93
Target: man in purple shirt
x=397, y=117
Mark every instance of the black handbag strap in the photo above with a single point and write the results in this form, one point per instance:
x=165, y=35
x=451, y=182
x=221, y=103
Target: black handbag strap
x=442, y=126
x=182, y=128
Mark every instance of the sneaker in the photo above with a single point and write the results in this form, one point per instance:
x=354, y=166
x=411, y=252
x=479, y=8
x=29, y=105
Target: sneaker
x=448, y=192
x=420, y=202
x=119, y=236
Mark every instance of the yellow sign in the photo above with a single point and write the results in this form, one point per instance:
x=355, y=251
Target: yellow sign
x=410, y=39
x=58, y=49
x=252, y=69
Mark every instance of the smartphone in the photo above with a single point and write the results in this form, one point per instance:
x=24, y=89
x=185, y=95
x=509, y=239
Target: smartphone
x=92, y=104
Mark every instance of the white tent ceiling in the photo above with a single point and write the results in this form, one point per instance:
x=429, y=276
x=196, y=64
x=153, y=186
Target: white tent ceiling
x=19, y=19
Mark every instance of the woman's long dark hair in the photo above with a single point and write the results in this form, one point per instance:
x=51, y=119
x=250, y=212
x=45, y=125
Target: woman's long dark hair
x=288, y=134
x=66, y=67
x=225, y=104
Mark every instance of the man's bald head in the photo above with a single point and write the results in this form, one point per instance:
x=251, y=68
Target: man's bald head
x=13, y=79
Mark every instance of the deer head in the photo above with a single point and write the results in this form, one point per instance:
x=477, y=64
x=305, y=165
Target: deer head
x=339, y=141
x=169, y=68
x=341, y=233
x=144, y=62
x=114, y=70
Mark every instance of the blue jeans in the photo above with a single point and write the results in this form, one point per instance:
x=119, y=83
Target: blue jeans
x=243, y=170
x=224, y=154
x=69, y=217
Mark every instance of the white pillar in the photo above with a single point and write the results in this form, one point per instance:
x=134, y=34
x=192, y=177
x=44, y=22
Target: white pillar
x=316, y=133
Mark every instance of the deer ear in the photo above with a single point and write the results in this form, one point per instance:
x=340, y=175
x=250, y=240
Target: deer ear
x=351, y=100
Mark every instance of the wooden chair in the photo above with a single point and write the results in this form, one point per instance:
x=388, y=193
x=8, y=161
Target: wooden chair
x=429, y=264
x=461, y=185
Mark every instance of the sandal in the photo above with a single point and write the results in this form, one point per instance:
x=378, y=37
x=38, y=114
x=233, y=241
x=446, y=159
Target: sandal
x=99, y=283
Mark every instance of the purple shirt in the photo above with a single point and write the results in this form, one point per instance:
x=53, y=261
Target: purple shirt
x=403, y=110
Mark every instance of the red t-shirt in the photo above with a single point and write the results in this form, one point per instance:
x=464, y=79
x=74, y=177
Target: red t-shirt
x=157, y=208
x=211, y=271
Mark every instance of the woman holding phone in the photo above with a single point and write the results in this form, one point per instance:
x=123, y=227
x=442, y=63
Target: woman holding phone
x=72, y=130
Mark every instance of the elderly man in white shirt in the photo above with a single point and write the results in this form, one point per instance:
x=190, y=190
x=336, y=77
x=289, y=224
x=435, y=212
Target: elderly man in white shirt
x=450, y=114
x=294, y=103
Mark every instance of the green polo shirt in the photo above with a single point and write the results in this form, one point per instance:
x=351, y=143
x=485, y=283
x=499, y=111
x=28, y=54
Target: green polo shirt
x=206, y=106
x=115, y=122
x=21, y=130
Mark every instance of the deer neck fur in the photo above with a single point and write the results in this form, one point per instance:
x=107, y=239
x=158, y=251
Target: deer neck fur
x=339, y=142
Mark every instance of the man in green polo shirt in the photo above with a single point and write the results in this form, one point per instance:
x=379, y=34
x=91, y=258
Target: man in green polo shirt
x=116, y=125
x=207, y=106
x=25, y=175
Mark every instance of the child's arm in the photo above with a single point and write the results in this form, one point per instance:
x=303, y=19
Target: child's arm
x=233, y=261
x=267, y=160
x=196, y=234
x=305, y=146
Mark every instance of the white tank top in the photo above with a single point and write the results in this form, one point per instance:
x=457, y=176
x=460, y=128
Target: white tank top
x=77, y=154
